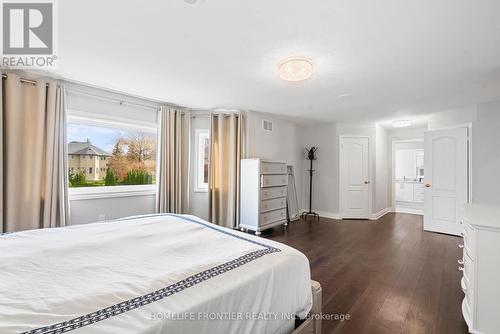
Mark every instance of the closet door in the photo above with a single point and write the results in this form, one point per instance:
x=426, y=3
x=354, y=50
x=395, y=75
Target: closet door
x=355, y=178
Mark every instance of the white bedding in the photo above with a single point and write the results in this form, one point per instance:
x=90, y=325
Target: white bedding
x=151, y=274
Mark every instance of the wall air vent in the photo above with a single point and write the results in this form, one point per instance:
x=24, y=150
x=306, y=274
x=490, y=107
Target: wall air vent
x=267, y=125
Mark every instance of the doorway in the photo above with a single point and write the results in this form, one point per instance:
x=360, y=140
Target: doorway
x=408, y=176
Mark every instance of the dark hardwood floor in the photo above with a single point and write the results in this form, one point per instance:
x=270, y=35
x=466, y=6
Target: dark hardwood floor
x=389, y=275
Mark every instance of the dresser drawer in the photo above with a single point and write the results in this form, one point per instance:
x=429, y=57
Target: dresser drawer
x=273, y=180
x=272, y=216
x=274, y=192
x=273, y=204
x=273, y=168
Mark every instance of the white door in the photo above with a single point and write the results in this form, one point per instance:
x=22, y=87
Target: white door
x=446, y=179
x=355, y=178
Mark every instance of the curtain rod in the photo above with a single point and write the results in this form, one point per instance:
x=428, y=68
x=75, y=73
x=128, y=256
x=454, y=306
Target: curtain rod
x=109, y=98
x=28, y=81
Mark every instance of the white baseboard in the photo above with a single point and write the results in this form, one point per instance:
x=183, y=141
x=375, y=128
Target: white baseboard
x=337, y=216
x=325, y=214
x=410, y=211
x=380, y=214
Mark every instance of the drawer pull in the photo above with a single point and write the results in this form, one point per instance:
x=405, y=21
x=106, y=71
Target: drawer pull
x=461, y=268
x=460, y=246
x=461, y=262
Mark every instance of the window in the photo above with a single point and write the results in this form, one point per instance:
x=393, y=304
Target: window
x=202, y=160
x=119, y=156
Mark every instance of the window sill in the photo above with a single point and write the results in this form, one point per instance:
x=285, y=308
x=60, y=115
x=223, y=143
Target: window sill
x=200, y=190
x=84, y=193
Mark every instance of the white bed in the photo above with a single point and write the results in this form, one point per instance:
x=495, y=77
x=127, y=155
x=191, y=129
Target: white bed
x=150, y=274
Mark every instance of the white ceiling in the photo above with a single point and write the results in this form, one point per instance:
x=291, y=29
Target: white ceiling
x=387, y=59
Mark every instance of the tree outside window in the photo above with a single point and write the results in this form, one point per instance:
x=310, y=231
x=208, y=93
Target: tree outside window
x=103, y=156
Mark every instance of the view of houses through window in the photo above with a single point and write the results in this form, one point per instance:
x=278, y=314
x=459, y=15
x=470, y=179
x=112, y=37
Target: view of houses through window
x=102, y=156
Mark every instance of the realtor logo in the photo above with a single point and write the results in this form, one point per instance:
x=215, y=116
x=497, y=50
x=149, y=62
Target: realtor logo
x=28, y=29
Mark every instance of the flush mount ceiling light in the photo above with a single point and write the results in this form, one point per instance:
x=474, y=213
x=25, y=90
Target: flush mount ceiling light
x=295, y=69
x=401, y=123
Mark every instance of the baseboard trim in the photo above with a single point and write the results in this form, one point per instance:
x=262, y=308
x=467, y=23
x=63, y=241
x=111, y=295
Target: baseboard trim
x=325, y=214
x=380, y=214
x=410, y=211
x=337, y=216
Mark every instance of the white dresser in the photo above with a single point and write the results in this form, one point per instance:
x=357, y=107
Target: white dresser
x=263, y=191
x=481, y=268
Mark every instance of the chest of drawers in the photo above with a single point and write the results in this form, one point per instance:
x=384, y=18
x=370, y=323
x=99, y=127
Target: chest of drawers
x=263, y=193
x=480, y=266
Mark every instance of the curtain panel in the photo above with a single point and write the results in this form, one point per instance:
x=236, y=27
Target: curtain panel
x=33, y=148
x=174, y=128
x=226, y=147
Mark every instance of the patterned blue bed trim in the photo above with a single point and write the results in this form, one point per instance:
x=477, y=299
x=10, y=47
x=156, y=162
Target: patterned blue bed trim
x=162, y=293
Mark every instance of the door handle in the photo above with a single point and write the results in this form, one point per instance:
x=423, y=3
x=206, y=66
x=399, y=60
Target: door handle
x=428, y=185
x=367, y=182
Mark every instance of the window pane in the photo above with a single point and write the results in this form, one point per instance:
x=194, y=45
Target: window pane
x=205, y=159
x=103, y=156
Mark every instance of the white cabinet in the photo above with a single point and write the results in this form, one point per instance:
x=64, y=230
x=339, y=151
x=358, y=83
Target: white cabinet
x=480, y=266
x=409, y=197
x=409, y=192
x=418, y=192
x=263, y=189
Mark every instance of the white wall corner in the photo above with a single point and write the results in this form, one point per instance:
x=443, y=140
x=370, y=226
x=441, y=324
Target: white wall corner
x=380, y=214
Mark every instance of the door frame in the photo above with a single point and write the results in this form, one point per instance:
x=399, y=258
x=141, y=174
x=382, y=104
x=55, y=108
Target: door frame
x=393, y=167
x=370, y=172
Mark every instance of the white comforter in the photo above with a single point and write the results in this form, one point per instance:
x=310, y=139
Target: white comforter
x=151, y=274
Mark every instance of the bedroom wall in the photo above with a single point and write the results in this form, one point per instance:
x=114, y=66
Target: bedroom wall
x=452, y=117
x=88, y=210
x=326, y=175
x=283, y=143
x=486, y=154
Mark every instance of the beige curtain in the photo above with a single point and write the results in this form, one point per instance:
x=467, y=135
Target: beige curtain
x=34, y=180
x=224, y=181
x=174, y=127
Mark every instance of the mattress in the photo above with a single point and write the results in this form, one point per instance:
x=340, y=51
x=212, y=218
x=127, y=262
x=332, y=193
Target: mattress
x=151, y=274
